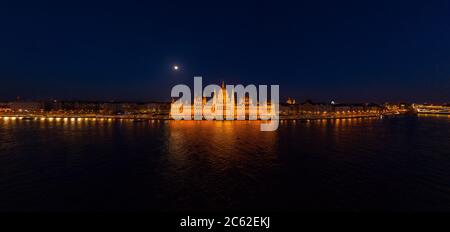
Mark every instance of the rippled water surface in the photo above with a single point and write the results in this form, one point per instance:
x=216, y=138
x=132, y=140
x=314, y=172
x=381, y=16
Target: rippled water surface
x=353, y=165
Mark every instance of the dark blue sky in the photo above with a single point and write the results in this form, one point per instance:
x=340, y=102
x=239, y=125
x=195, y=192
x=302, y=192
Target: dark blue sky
x=355, y=51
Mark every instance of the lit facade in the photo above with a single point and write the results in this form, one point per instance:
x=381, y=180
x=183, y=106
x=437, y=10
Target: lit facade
x=432, y=109
x=223, y=107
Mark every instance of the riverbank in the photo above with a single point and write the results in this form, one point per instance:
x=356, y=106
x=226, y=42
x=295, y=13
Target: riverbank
x=166, y=117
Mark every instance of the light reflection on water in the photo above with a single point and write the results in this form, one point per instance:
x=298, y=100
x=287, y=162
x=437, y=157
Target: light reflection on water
x=345, y=164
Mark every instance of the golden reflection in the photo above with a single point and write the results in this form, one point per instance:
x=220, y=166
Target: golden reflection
x=220, y=143
x=433, y=115
x=337, y=123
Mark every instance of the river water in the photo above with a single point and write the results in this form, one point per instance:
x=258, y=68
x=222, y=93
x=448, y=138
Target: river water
x=370, y=164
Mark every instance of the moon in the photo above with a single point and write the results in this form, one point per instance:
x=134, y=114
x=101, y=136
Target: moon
x=175, y=67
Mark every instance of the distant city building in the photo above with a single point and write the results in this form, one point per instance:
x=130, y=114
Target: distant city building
x=291, y=109
x=310, y=109
x=5, y=107
x=157, y=107
x=26, y=106
x=112, y=108
x=398, y=107
x=290, y=101
x=432, y=108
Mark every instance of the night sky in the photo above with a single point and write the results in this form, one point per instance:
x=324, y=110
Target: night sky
x=359, y=51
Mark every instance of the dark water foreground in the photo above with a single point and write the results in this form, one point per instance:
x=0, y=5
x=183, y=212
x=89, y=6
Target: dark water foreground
x=389, y=164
